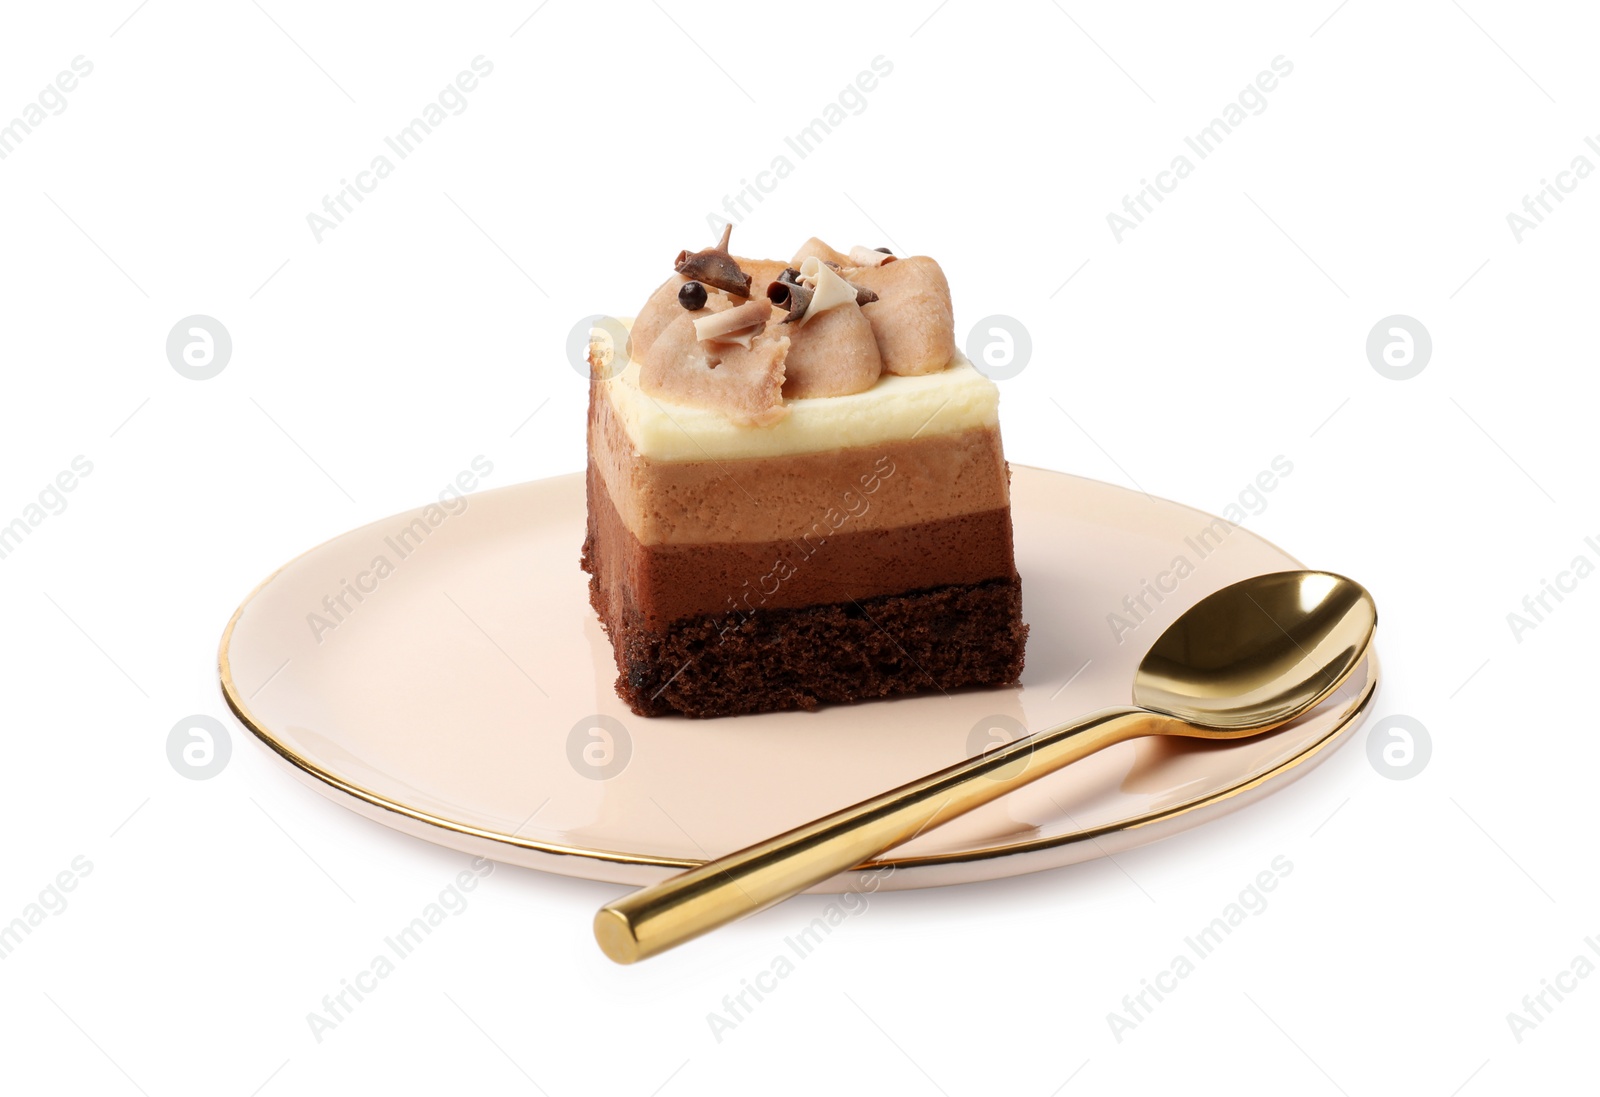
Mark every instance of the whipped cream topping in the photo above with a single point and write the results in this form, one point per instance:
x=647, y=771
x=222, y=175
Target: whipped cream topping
x=844, y=321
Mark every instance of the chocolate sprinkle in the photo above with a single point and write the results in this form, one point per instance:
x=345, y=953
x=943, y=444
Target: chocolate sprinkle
x=692, y=296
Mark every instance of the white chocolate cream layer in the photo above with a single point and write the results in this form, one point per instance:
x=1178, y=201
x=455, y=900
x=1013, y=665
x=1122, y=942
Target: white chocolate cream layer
x=956, y=399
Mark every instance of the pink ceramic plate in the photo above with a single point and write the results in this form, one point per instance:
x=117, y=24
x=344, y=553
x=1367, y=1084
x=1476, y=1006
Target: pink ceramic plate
x=461, y=691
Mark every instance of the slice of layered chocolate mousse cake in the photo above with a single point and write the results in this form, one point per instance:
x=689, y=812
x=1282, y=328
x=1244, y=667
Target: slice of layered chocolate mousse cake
x=796, y=490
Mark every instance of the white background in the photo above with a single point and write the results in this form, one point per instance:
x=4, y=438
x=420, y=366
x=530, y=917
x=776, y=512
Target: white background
x=369, y=368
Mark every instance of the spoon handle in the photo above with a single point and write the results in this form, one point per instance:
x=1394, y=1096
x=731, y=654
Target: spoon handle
x=667, y=914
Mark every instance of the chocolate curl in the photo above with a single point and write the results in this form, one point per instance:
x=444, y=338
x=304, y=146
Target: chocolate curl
x=735, y=325
x=810, y=273
x=869, y=257
x=795, y=289
x=791, y=296
x=715, y=267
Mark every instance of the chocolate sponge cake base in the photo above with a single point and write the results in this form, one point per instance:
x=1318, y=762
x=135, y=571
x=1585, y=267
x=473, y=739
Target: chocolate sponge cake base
x=771, y=660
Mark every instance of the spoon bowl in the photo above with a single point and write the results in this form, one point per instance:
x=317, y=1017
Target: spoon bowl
x=1259, y=653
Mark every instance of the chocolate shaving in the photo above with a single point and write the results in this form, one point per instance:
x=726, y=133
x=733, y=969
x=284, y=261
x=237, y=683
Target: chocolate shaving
x=715, y=267
x=864, y=296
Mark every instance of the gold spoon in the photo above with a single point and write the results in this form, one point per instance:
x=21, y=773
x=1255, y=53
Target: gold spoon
x=1248, y=658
